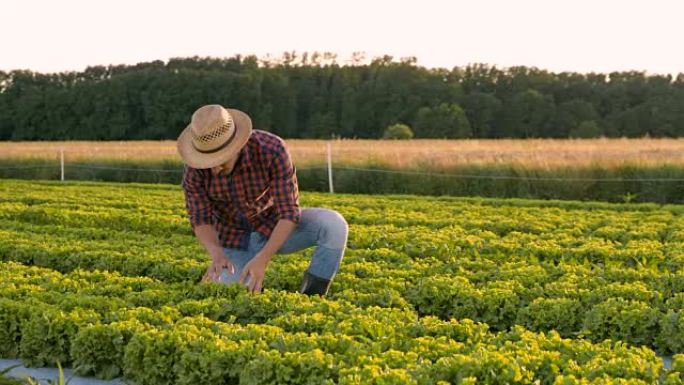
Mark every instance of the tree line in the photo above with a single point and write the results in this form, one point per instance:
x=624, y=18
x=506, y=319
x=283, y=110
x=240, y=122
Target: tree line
x=313, y=96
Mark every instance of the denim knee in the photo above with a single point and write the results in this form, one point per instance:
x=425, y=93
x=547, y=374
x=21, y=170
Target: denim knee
x=334, y=230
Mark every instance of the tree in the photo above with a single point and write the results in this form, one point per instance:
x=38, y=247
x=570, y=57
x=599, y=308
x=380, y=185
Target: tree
x=586, y=129
x=6, y=124
x=398, y=131
x=569, y=116
x=528, y=114
x=300, y=95
x=322, y=125
x=482, y=111
x=443, y=121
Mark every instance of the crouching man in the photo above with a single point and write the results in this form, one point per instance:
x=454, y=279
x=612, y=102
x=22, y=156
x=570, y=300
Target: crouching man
x=242, y=200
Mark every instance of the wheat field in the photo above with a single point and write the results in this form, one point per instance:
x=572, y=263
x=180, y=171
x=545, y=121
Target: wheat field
x=413, y=154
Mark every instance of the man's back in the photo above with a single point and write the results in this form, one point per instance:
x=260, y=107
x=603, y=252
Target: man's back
x=261, y=189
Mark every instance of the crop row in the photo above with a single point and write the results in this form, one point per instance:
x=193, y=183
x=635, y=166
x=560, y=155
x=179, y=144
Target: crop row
x=284, y=338
x=544, y=283
x=630, y=239
x=641, y=306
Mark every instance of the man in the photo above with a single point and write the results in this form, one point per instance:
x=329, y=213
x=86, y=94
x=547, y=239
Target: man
x=242, y=199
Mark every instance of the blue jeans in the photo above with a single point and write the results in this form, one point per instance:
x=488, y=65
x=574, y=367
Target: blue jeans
x=326, y=229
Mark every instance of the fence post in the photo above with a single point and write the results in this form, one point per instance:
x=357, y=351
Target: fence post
x=61, y=163
x=330, y=177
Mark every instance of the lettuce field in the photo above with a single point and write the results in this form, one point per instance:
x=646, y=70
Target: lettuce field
x=104, y=278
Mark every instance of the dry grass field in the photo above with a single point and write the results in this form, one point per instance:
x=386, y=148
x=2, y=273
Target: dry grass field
x=414, y=154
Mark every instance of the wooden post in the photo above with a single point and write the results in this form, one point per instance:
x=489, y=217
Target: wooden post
x=330, y=176
x=61, y=163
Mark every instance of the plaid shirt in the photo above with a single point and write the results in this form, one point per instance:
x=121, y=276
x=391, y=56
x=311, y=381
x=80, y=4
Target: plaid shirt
x=261, y=190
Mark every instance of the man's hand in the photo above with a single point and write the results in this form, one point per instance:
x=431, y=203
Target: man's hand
x=255, y=269
x=218, y=262
x=208, y=237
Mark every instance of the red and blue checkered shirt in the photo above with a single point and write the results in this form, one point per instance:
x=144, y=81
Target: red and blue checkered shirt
x=261, y=190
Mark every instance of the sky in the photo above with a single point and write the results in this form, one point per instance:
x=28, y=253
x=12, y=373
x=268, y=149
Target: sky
x=557, y=35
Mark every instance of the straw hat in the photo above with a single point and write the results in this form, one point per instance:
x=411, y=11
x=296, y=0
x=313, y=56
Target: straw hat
x=214, y=136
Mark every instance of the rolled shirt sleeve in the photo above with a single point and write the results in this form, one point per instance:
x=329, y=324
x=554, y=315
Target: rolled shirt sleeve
x=284, y=186
x=197, y=201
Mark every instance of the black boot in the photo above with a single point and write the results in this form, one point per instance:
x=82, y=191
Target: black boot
x=314, y=285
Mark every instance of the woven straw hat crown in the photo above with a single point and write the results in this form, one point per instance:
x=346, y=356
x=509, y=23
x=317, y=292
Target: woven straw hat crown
x=211, y=127
x=214, y=136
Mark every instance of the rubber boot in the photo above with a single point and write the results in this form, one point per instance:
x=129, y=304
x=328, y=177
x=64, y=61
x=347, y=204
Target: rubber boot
x=314, y=285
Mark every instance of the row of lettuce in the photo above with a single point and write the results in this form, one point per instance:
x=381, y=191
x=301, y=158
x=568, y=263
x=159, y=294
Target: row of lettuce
x=643, y=306
x=632, y=236
x=197, y=334
x=549, y=271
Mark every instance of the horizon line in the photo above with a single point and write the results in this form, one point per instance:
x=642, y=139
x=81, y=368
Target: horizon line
x=333, y=58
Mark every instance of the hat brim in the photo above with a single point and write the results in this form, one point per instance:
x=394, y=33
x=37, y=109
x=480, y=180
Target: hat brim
x=196, y=159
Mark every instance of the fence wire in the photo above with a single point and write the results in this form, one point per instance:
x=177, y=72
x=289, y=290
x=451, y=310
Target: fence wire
x=372, y=170
x=505, y=177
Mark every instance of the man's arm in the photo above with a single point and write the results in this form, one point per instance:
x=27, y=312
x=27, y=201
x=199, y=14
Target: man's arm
x=207, y=236
x=256, y=268
x=200, y=215
x=280, y=234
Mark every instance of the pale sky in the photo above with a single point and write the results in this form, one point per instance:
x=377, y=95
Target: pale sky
x=575, y=35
